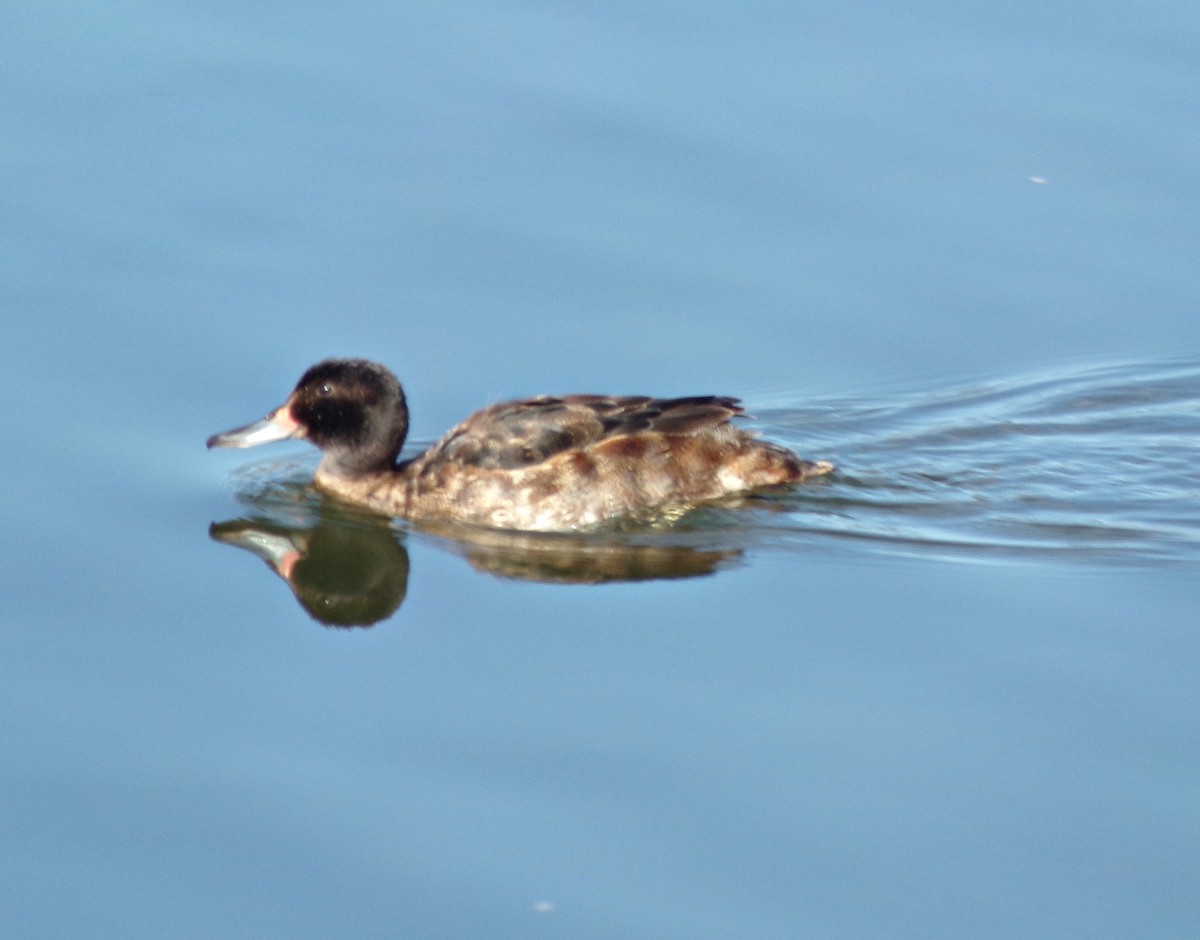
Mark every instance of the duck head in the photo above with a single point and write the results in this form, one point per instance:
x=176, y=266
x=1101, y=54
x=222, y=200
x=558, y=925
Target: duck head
x=354, y=410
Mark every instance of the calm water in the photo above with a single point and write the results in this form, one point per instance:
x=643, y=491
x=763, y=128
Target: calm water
x=948, y=692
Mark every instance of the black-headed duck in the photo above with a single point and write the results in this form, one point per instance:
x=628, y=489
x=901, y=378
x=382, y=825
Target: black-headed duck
x=540, y=464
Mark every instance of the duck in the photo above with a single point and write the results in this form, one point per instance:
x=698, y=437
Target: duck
x=545, y=464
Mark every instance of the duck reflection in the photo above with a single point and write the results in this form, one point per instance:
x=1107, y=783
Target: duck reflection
x=352, y=571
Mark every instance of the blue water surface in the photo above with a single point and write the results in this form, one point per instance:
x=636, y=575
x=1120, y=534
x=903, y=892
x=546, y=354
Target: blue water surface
x=948, y=692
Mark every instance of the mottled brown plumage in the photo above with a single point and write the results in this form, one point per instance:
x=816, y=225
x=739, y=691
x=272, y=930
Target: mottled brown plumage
x=545, y=464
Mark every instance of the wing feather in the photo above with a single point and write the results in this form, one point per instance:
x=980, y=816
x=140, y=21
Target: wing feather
x=523, y=433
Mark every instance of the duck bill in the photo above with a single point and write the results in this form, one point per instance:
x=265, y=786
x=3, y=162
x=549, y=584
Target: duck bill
x=279, y=425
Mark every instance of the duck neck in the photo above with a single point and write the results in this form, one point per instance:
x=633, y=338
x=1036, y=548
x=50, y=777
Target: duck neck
x=380, y=490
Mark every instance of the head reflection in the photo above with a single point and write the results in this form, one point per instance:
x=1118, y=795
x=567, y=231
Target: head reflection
x=344, y=574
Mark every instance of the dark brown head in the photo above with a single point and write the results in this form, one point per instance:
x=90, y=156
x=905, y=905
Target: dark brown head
x=354, y=410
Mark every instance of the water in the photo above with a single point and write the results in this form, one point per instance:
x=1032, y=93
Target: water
x=949, y=691
x=1087, y=465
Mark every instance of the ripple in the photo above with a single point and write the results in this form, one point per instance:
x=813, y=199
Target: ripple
x=1094, y=464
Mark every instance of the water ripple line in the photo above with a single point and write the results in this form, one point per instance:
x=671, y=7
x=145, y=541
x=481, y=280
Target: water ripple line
x=1091, y=464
